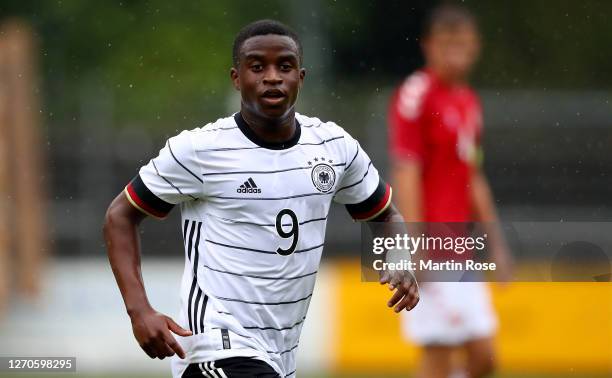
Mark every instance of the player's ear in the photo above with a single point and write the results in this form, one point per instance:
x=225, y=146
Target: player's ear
x=302, y=75
x=235, y=78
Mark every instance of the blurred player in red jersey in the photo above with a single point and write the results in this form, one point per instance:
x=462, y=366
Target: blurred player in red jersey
x=435, y=128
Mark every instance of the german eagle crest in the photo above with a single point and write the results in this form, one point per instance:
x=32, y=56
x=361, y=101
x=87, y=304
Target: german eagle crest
x=323, y=177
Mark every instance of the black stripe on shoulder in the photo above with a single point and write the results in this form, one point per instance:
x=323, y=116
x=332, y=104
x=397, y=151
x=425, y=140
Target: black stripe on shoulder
x=372, y=201
x=150, y=200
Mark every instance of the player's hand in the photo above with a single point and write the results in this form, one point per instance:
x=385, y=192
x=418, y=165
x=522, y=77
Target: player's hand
x=152, y=331
x=404, y=283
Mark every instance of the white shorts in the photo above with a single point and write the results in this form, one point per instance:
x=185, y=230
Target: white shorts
x=450, y=313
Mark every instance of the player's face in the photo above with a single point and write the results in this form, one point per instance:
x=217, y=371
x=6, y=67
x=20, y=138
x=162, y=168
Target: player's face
x=453, y=50
x=269, y=76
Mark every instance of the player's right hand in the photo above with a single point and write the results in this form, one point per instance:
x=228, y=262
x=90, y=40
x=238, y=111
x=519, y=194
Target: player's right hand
x=152, y=331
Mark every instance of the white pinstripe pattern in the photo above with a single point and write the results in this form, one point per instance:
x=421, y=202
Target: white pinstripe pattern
x=238, y=257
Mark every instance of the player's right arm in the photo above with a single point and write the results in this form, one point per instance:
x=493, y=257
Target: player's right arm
x=168, y=179
x=151, y=329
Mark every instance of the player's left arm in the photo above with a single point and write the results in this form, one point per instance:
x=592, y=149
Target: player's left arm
x=404, y=282
x=368, y=198
x=486, y=213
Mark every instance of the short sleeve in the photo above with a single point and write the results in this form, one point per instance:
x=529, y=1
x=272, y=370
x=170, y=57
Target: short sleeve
x=406, y=118
x=361, y=189
x=168, y=179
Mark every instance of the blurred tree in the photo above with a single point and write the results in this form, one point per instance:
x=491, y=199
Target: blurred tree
x=545, y=44
x=166, y=63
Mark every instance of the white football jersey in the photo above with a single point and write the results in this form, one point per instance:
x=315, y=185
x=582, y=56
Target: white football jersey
x=253, y=222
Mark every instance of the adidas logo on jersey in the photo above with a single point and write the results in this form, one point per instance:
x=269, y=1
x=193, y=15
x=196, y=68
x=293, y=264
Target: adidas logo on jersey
x=249, y=186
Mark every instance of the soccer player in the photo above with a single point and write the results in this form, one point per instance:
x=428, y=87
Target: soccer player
x=254, y=190
x=435, y=130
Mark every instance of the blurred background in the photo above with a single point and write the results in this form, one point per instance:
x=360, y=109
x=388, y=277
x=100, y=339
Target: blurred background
x=89, y=91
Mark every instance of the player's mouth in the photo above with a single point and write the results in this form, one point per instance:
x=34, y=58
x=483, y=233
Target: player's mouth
x=273, y=96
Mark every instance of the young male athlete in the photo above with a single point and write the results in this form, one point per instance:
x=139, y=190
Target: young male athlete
x=435, y=127
x=254, y=191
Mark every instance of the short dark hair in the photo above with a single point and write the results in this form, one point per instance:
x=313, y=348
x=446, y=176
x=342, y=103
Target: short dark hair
x=263, y=27
x=448, y=15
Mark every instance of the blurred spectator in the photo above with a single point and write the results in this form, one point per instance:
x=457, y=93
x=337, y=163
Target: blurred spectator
x=436, y=124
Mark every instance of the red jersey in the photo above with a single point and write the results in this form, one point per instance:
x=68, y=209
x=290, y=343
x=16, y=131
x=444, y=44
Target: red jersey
x=440, y=126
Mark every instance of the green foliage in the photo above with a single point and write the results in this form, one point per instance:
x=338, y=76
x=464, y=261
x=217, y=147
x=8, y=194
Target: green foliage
x=166, y=64
x=162, y=62
x=545, y=44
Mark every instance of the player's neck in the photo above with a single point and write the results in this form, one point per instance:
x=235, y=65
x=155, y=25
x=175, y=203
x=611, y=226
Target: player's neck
x=270, y=130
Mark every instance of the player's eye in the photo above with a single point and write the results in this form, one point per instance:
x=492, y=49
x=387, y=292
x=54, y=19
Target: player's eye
x=285, y=67
x=256, y=67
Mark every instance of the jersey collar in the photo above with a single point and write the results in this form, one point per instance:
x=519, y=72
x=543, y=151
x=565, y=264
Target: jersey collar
x=250, y=134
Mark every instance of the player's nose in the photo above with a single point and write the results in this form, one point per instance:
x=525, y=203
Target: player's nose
x=272, y=76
